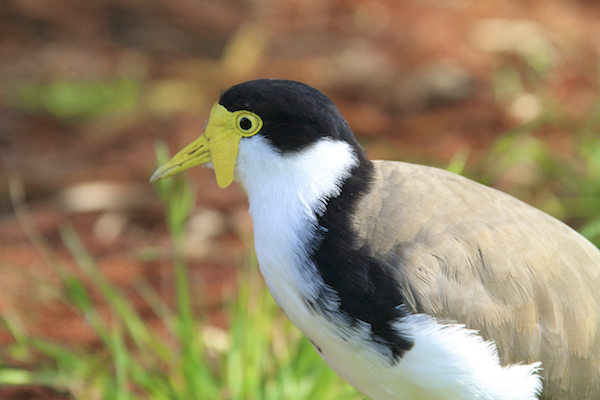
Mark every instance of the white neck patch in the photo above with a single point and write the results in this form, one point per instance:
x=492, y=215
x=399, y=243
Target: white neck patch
x=286, y=192
x=312, y=175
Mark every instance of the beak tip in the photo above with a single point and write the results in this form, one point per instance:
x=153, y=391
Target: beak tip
x=157, y=175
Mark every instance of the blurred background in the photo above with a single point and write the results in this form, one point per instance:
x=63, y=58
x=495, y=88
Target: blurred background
x=502, y=91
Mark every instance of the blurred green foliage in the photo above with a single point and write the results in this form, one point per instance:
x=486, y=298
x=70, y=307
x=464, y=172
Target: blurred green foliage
x=66, y=99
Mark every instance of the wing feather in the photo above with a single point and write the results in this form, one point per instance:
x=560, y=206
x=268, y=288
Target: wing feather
x=468, y=253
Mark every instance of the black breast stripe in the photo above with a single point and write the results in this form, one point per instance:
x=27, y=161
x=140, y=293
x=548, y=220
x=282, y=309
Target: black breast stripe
x=365, y=286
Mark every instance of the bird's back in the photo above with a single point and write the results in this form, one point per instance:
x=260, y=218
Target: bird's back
x=467, y=253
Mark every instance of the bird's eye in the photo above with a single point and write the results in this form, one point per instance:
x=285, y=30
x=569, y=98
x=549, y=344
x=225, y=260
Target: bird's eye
x=245, y=124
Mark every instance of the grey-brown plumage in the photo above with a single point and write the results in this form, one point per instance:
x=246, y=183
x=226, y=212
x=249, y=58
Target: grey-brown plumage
x=475, y=255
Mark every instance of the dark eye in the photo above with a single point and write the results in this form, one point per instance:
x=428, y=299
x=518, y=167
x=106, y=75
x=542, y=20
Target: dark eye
x=245, y=124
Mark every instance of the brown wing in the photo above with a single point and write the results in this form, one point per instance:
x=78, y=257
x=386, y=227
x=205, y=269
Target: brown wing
x=468, y=253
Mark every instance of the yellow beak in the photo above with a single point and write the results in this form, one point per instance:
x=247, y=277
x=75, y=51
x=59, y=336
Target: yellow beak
x=218, y=144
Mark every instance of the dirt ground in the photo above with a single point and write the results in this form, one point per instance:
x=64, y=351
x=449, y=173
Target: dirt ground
x=88, y=88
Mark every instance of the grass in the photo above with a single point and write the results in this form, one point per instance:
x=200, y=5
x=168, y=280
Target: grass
x=261, y=357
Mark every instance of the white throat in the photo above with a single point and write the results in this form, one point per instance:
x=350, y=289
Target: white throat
x=309, y=176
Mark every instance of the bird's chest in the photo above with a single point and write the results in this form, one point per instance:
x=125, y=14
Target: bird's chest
x=348, y=350
x=286, y=267
x=294, y=282
x=442, y=359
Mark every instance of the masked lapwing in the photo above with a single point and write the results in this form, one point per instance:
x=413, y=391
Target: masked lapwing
x=410, y=281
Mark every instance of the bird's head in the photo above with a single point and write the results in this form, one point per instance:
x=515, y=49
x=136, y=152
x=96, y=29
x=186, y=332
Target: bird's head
x=286, y=116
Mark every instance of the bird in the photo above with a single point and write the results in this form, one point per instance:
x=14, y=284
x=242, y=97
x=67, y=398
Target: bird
x=410, y=281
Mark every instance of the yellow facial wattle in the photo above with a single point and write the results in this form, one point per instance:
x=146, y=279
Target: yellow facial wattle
x=218, y=144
